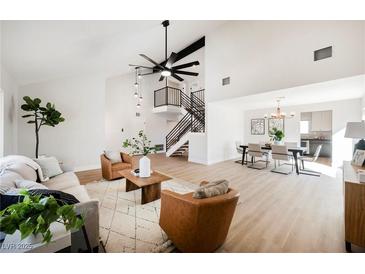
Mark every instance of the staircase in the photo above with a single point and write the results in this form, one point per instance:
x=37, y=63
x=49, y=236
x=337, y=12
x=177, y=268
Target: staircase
x=181, y=150
x=177, y=142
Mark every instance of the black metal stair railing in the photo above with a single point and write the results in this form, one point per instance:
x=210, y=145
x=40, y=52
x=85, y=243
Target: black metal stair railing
x=193, y=120
x=187, y=124
x=199, y=94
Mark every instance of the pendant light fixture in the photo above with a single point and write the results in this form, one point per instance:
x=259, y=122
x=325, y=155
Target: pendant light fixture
x=278, y=114
x=137, y=92
x=136, y=83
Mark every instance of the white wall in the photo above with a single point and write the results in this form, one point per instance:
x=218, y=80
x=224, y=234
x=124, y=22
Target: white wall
x=121, y=105
x=342, y=112
x=197, y=148
x=10, y=90
x=263, y=56
x=224, y=128
x=121, y=111
x=80, y=139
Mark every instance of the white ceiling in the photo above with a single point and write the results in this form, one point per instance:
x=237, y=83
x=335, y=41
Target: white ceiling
x=341, y=89
x=34, y=51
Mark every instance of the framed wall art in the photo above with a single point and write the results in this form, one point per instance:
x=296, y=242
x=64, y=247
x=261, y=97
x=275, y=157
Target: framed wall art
x=258, y=126
x=277, y=123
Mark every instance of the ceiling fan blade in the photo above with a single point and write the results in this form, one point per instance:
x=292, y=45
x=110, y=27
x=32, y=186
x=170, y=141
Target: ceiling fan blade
x=148, y=73
x=195, y=63
x=177, y=77
x=161, y=78
x=153, y=62
x=171, y=60
x=186, y=72
x=131, y=65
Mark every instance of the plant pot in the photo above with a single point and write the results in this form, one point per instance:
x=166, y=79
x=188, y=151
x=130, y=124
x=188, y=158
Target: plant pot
x=277, y=142
x=14, y=240
x=144, y=167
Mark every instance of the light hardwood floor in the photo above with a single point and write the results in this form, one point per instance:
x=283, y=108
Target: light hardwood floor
x=276, y=213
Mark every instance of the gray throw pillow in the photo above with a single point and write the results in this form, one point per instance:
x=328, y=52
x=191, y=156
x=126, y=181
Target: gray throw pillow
x=113, y=156
x=50, y=166
x=211, y=189
x=29, y=184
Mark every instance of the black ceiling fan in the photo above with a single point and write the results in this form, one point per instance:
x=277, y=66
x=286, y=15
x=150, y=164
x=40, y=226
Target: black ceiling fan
x=166, y=68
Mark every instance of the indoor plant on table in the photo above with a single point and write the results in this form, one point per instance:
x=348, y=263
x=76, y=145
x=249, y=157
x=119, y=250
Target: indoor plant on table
x=33, y=215
x=276, y=135
x=141, y=145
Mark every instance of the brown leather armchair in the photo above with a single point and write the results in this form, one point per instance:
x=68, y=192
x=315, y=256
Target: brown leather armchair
x=110, y=171
x=197, y=225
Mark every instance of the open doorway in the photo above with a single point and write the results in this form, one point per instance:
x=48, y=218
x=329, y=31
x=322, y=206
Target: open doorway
x=316, y=134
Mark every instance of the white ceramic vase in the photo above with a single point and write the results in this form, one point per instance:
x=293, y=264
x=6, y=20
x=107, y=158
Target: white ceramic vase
x=144, y=167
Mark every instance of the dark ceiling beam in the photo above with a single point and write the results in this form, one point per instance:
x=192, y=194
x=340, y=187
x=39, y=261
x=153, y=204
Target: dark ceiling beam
x=187, y=51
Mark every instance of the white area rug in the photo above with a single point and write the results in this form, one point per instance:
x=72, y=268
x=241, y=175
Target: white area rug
x=125, y=224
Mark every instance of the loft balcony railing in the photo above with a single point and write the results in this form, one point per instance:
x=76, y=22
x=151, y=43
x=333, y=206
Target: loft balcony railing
x=193, y=120
x=167, y=96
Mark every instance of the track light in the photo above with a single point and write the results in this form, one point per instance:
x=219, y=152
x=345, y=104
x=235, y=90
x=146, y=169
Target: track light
x=135, y=94
x=140, y=98
x=138, y=105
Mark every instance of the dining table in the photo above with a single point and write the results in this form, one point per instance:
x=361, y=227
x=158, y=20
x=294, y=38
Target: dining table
x=294, y=150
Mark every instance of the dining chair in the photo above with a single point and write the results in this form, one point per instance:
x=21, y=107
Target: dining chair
x=280, y=153
x=255, y=151
x=313, y=159
x=239, y=151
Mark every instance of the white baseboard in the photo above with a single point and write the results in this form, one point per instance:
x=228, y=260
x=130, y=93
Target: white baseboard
x=197, y=161
x=88, y=167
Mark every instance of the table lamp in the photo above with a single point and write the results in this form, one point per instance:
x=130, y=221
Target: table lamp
x=356, y=130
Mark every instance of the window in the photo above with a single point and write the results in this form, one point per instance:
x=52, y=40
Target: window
x=304, y=127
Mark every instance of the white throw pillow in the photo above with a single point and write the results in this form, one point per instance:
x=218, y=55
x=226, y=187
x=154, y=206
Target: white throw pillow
x=27, y=172
x=113, y=156
x=50, y=166
x=29, y=184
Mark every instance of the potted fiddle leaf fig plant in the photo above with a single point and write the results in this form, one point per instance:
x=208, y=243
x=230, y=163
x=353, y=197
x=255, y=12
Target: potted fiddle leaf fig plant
x=33, y=215
x=276, y=135
x=141, y=145
x=40, y=116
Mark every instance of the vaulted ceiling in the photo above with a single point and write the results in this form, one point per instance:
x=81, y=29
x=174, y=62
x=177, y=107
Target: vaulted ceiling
x=34, y=51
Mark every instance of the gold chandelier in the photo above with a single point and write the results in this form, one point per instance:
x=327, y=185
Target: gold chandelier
x=278, y=114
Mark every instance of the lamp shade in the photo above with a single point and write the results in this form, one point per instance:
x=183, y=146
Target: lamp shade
x=355, y=130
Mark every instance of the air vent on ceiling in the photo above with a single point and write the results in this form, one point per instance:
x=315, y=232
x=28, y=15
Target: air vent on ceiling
x=226, y=81
x=138, y=114
x=322, y=53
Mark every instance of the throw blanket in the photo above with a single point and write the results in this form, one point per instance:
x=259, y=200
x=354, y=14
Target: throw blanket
x=11, y=159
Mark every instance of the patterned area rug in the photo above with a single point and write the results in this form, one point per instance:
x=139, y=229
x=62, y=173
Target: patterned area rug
x=125, y=224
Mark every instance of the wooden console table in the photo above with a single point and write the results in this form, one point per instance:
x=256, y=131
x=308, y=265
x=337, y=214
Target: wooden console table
x=354, y=192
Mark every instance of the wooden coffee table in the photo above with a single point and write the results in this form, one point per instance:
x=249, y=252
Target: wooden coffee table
x=151, y=186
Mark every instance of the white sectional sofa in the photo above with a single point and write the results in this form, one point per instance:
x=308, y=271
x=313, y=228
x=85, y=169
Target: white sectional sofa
x=66, y=182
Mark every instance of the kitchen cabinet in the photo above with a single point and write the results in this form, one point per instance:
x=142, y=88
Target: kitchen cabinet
x=321, y=121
